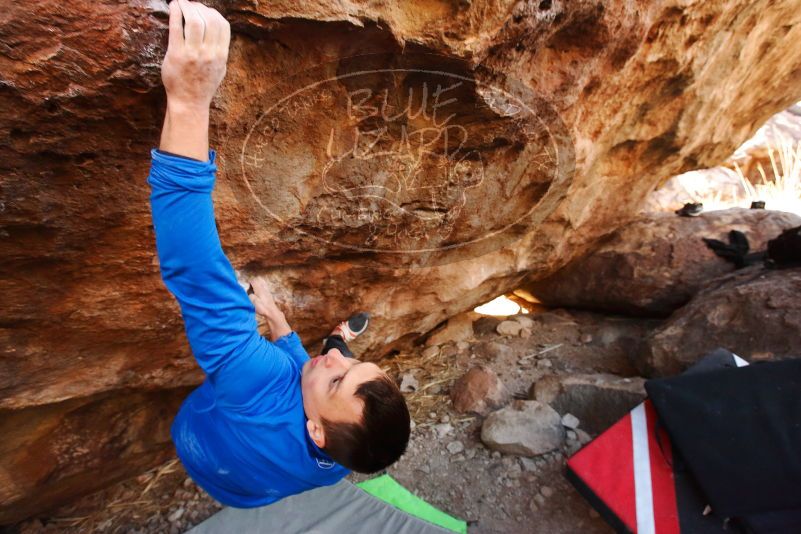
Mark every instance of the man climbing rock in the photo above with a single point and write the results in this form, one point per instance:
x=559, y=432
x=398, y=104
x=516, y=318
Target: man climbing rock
x=268, y=421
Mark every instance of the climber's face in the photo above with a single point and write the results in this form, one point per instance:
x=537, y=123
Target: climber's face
x=328, y=384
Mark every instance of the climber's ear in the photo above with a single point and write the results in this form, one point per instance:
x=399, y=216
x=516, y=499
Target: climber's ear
x=316, y=433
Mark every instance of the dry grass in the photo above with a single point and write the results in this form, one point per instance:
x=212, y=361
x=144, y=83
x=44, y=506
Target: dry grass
x=782, y=192
x=134, y=500
x=435, y=369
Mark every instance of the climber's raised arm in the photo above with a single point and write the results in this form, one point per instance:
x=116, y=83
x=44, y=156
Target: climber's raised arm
x=219, y=318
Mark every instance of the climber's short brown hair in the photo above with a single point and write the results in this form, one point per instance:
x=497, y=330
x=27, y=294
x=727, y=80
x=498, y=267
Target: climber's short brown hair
x=380, y=438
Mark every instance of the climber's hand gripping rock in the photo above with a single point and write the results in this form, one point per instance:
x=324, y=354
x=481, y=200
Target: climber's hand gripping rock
x=193, y=68
x=197, y=53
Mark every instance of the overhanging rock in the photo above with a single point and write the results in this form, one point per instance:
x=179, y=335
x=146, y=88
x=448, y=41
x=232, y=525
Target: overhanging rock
x=631, y=93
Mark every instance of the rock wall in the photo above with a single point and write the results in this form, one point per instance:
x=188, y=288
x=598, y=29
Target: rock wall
x=554, y=121
x=656, y=263
x=724, y=314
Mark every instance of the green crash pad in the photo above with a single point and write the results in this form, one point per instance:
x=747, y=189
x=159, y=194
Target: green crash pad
x=390, y=491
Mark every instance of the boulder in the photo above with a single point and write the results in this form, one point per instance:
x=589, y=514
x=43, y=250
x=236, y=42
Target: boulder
x=63, y=443
x=492, y=350
x=455, y=447
x=525, y=428
x=443, y=429
x=458, y=328
x=597, y=400
x=485, y=325
x=509, y=328
x=553, y=318
x=570, y=421
x=754, y=312
x=657, y=263
x=408, y=383
x=546, y=112
x=479, y=391
x=525, y=321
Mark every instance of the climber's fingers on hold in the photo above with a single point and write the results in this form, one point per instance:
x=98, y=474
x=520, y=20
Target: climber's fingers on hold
x=212, y=26
x=194, y=25
x=262, y=289
x=225, y=35
x=218, y=30
x=176, y=27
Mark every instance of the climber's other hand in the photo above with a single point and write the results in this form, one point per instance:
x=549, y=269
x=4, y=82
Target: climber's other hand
x=262, y=298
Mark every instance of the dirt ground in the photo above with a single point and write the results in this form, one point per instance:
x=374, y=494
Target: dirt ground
x=446, y=463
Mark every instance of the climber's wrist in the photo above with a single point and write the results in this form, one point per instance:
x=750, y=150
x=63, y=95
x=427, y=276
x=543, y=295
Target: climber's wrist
x=188, y=110
x=278, y=325
x=186, y=131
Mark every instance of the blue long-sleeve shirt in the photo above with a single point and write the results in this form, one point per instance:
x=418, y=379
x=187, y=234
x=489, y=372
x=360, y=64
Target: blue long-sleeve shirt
x=241, y=435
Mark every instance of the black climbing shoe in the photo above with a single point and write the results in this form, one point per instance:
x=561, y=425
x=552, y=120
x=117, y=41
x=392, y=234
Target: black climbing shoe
x=353, y=327
x=690, y=209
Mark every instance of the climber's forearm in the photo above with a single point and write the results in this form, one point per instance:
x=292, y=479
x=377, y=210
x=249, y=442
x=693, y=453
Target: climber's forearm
x=219, y=318
x=186, y=131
